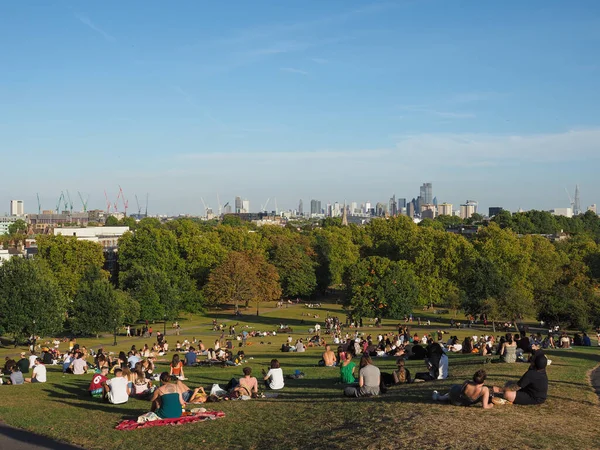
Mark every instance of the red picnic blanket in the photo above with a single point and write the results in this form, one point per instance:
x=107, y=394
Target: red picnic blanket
x=197, y=417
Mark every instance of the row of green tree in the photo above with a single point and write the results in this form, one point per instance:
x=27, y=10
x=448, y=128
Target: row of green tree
x=383, y=269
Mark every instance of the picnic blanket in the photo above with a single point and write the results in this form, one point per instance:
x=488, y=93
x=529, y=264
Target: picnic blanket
x=196, y=417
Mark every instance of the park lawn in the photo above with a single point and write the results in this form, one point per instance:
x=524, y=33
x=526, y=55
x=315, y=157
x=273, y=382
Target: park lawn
x=310, y=412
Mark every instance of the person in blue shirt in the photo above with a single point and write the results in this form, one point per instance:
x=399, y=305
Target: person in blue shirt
x=586, y=340
x=191, y=357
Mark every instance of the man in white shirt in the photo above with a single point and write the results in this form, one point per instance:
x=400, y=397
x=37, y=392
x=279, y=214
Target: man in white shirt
x=117, y=389
x=79, y=365
x=39, y=373
x=32, y=359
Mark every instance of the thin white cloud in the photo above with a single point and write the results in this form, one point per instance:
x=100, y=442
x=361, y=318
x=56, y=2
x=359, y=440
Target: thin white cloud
x=87, y=22
x=424, y=109
x=490, y=149
x=293, y=70
x=320, y=60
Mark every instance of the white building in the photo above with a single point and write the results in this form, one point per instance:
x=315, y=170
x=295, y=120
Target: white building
x=567, y=212
x=17, y=208
x=246, y=206
x=5, y=222
x=468, y=209
x=445, y=209
x=105, y=236
x=4, y=256
x=593, y=208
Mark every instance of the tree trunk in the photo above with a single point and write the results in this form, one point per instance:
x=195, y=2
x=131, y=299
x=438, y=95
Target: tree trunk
x=494, y=325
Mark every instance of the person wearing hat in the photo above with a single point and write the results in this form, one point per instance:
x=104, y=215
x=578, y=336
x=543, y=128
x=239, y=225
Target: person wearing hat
x=532, y=388
x=23, y=363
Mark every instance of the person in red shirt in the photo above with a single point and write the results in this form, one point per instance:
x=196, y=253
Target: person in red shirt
x=96, y=388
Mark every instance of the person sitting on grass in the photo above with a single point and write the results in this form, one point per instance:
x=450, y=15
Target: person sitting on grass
x=438, y=368
x=16, y=376
x=468, y=393
x=23, y=363
x=142, y=387
x=191, y=358
x=402, y=374
x=347, y=370
x=39, y=373
x=167, y=401
x=369, y=380
x=508, y=350
x=532, y=388
x=79, y=365
x=96, y=388
x=117, y=389
x=328, y=357
x=177, y=368
x=247, y=386
x=274, y=377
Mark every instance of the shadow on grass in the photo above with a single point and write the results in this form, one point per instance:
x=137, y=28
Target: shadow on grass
x=81, y=399
x=13, y=437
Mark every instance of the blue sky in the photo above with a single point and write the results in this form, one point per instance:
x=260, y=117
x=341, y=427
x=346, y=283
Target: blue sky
x=333, y=100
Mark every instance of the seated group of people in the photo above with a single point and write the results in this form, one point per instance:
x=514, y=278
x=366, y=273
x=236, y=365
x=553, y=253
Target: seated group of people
x=531, y=389
x=15, y=370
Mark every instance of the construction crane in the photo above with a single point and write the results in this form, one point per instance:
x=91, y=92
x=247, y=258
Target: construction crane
x=138, y=205
x=84, y=203
x=263, y=208
x=108, y=204
x=124, y=200
x=39, y=204
x=571, y=202
x=205, y=207
x=60, y=199
x=70, y=202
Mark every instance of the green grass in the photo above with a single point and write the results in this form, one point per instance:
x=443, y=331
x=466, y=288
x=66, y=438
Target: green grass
x=311, y=412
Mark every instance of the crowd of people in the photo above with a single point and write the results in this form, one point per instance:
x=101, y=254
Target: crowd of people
x=117, y=378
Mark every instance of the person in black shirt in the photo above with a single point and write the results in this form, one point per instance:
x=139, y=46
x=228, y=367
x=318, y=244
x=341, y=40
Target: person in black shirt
x=533, y=385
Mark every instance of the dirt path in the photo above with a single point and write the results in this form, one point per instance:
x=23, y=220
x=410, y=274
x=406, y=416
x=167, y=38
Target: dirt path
x=595, y=379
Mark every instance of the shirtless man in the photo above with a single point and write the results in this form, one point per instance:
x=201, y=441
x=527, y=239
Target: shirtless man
x=329, y=357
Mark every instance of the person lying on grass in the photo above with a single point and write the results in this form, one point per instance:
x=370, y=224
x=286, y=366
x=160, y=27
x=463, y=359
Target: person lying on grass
x=369, y=380
x=468, y=393
x=167, y=401
x=532, y=388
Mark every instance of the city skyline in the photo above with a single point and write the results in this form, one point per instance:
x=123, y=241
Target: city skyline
x=315, y=100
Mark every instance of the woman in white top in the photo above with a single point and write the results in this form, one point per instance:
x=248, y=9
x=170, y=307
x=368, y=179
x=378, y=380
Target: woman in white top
x=274, y=377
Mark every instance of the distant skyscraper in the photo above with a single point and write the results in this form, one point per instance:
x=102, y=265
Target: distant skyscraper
x=227, y=209
x=368, y=208
x=315, y=207
x=495, y=210
x=393, y=206
x=17, y=208
x=401, y=203
x=353, y=208
x=435, y=202
x=426, y=193
x=300, y=208
x=410, y=209
x=238, y=205
x=577, y=202
x=380, y=209
x=245, y=206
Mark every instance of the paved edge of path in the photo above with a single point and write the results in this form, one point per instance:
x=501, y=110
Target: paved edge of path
x=18, y=439
x=594, y=379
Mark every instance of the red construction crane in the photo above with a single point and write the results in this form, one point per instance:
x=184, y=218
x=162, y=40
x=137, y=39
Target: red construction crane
x=107, y=202
x=124, y=200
